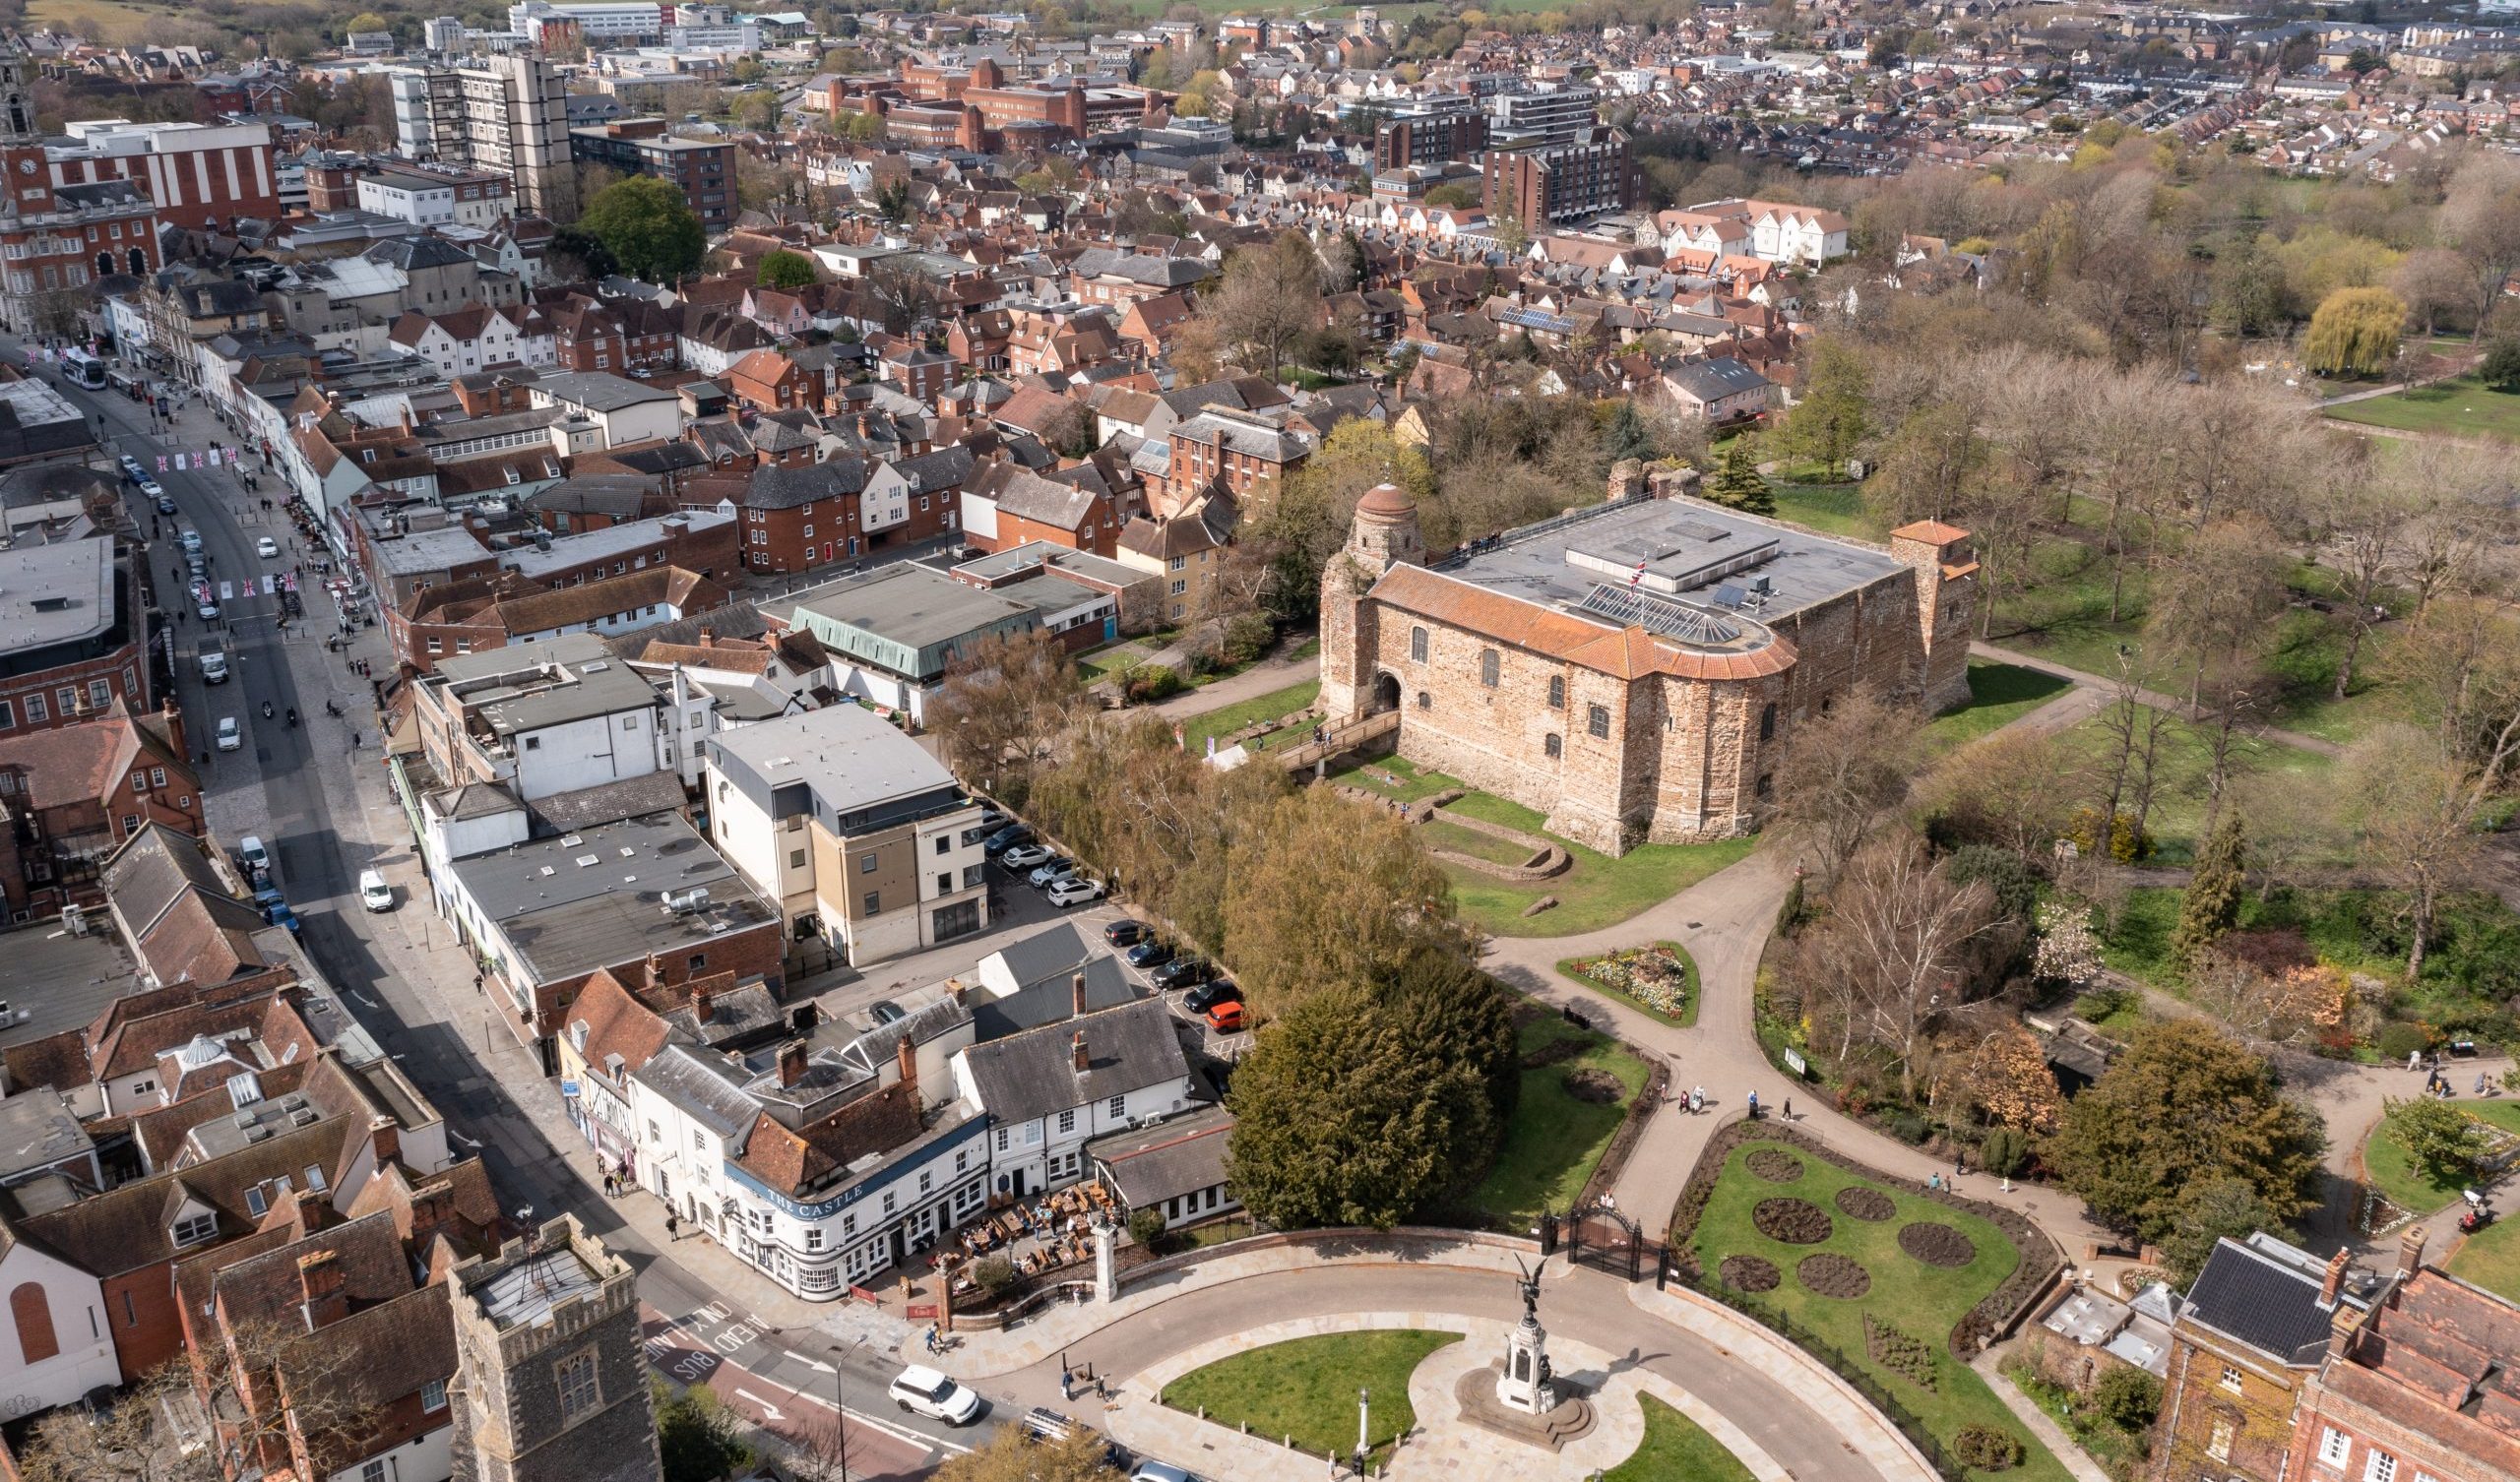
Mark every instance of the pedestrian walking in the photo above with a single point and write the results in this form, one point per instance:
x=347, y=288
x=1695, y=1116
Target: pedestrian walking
x=1933, y=1181
x=1755, y=1106
x=1785, y=1113
x=1067, y=1385
x=611, y=1186
x=673, y=1226
x=354, y=740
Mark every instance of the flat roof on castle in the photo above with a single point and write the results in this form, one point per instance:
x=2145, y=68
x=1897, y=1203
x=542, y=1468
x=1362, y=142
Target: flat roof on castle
x=1685, y=569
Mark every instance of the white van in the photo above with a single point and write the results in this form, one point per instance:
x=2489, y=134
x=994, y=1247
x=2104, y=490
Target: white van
x=213, y=667
x=250, y=850
x=374, y=893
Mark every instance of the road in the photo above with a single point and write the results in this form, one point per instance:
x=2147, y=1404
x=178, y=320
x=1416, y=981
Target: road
x=298, y=789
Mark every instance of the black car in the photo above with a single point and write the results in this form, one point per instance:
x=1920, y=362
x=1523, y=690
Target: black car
x=1181, y=973
x=165, y=505
x=1206, y=995
x=1005, y=838
x=1150, y=953
x=1125, y=933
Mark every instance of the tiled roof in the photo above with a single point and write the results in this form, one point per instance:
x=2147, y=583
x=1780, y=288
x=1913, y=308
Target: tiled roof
x=1625, y=653
x=793, y=1162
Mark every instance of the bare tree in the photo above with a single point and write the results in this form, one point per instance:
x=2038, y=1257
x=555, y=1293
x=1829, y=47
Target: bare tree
x=2414, y=806
x=1005, y=709
x=2212, y=602
x=2481, y=217
x=2363, y=524
x=1268, y=297
x=1844, y=769
x=2289, y=824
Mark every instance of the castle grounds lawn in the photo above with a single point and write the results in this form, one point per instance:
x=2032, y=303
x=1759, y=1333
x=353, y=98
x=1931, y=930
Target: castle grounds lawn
x=2180, y=769
x=2404, y=1184
x=2491, y=1258
x=1596, y=890
x=2463, y=407
x=1830, y=509
x=1555, y=1140
x=1395, y=778
x=1924, y=1302
x=1677, y=1448
x=1225, y=720
x=1998, y=696
x=1441, y=835
x=1306, y=1388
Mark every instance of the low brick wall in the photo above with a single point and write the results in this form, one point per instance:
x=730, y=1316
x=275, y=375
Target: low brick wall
x=1546, y=860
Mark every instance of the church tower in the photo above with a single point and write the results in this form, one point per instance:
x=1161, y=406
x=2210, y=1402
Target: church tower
x=1383, y=535
x=21, y=147
x=549, y=1369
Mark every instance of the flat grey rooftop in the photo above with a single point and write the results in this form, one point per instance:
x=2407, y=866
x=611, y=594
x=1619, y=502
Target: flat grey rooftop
x=524, y=1294
x=55, y=593
x=639, y=857
x=59, y=981
x=847, y=755
x=911, y=605
x=1695, y=556
x=424, y=551
x=623, y=540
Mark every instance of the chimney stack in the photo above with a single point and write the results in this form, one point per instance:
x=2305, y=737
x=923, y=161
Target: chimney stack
x=2334, y=1282
x=792, y=1062
x=314, y=1211
x=430, y=1211
x=2411, y=1252
x=702, y=1009
x=906, y=1059
x=319, y=1277
x=385, y=1135
x=1076, y=993
x=1077, y=1045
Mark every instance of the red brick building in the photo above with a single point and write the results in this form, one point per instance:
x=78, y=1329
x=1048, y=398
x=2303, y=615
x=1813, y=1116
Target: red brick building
x=71, y=794
x=2421, y=1389
x=790, y=518
x=73, y=634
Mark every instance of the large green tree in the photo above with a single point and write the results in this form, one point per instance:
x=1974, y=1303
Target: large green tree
x=2212, y=904
x=2186, y=1104
x=1831, y=420
x=2214, y=1210
x=2443, y=1140
x=1737, y=483
x=1358, y=1108
x=651, y=230
x=1320, y=891
x=784, y=270
x=2354, y=331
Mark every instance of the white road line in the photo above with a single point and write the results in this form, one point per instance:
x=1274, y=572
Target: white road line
x=890, y=1428
x=808, y=1363
x=767, y=1408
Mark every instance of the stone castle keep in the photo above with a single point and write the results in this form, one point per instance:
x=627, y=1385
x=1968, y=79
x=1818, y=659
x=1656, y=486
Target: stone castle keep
x=1635, y=670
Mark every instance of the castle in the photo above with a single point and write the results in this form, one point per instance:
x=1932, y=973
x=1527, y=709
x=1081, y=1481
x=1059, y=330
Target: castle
x=1635, y=669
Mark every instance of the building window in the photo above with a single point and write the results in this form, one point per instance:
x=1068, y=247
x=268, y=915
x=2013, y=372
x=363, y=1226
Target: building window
x=1597, y=722
x=1491, y=667
x=2381, y=1468
x=2220, y=1447
x=100, y=693
x=579, y=1392
x=1767, y=723
x=1557, y=692
x=795, y=859
x=1417, y=646
x=1067, y=1120
x=1425, y=701
x=874, y=902
x=1552, y=747
x=945, y=884
x=197, y=1229
x=36, y=712
x=866, y=864
x=699, y=1141
x=433, y=1395
x=1119, y=1108
x=944, y=843
x=2334, y=1446
x=814, y=1239
x=31, y=1311
x=2230, y=1379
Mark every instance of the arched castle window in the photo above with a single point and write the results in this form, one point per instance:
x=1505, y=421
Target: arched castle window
x=1491, y=666
x=1557, y=694
x=1425, y=701
x=1767, y=723
x=1418, y=645
x=1597, y=722
x=1551, y=746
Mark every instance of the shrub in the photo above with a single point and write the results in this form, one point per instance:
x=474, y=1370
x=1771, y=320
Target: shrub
x=2128, y=843
x=2400, y=1038
x=1248, y=636
x=1985, y=1448
x=992, y=1276
x=1203, y=661
x=2015, y=885
x=1146, y=1227
x=2128, y=1398
x=2006, y=1151
x=2101, y=1003
x=1152, y=683
x=1909, y=1128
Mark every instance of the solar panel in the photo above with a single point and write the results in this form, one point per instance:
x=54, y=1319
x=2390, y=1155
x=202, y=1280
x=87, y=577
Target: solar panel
x=1728, y=595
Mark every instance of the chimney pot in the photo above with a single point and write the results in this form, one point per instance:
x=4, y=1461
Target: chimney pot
x=792, y=1062
x=2411, y=1252
x=702, y=1009
x=1077, y=1045
x=319, y=1280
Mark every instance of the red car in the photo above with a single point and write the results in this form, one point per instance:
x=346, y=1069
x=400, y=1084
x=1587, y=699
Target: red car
x=1226, y=1018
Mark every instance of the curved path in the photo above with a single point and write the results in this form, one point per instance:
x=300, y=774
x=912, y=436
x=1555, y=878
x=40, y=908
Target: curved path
x=1773, y=1396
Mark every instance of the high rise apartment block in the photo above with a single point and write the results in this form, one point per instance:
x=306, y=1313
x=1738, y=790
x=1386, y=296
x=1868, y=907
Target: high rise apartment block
x=510, y=116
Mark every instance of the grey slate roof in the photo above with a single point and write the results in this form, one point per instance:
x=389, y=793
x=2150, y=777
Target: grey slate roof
x=2269, y=1303
x=1154, y=271
x=1034, y=1074
x=782, y=488
x=704, y=1087
x=1151, y=1165
x=1712, y=379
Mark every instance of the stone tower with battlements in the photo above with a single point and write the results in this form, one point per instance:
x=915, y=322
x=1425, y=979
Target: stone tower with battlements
x=549, y=1384
x=1382, y=535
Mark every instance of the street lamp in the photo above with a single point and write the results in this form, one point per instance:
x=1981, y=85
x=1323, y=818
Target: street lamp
x=1363, y=1398
x=840, y=1399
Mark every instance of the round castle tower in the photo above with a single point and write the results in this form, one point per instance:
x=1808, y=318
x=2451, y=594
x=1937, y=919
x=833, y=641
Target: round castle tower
x=1383, y=535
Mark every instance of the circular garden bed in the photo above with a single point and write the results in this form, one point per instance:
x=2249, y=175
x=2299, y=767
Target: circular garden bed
x=1866, y=1203
x=1936, y=1245
x=1830, y=1274
x=1593, y=1084
x=1774, y=1164
x=1749, y=1273
x=1795, y=1221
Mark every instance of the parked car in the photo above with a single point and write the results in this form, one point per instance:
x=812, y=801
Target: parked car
x=209, y=610
x=231, y=736
x=251, y=854
x=1226, y=1018
x=189, y=540
x=1025, y=856
x=1075, y=890
x=885, y=1012
x=1008, y=837
x=1148, y=952
x=1206, y=995
x=165, y=505
x=1125, y=933
x=267, y=547
x=374, y=893
x=991, y=818
x=1159, y=1471
x=131, y=468
x=922, y=1390
x=1051, y=872
x=1182, y=972
x=274, y=907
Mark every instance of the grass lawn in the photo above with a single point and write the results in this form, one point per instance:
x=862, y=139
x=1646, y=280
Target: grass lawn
x=1923, y=1302
x=1225, y=720
x=1440, y=834
x=1597, y=891
x=2465, y=970
x=1554, y=1139
x=2463, y=407
x=1676, y=1447
x=2491, y=1259
x=1306, y=1388
x=1998, y=696
x=2181, y=770
x=1395, y=778
x=1830, y=509
x=2395, y=1174
x=1688, y=970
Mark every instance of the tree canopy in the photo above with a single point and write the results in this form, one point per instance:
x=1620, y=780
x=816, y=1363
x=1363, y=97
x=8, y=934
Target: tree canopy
x=784, y=270
x=2185, y=1105
x=2354, y=331
x=650, y=229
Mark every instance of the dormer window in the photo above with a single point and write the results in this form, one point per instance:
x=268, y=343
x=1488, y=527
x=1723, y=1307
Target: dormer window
x=196, y=1229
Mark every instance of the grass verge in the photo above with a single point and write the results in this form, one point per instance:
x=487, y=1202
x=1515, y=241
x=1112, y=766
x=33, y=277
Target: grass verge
x=1998, y=696
x=2408, y=1186
x=1305, y=1389
x=1226, y=719
x=1556, y=1139
x=1676, y=1447
x=1596, y=891
x=2462, y=407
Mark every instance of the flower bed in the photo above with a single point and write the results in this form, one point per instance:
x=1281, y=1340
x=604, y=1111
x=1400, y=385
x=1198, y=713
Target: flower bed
x=1660, y=979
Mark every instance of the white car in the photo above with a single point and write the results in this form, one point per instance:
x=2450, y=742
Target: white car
x=1076, y=889
x=231, y=736
x=374, y=893
x=153, y=489
x=209, y=610
x=267, y=547
x=922, y=1390
x=1024, y=857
